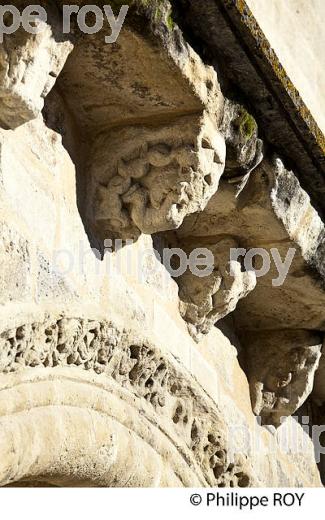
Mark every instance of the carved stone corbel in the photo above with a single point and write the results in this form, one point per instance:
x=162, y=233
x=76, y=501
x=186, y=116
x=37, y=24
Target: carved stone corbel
x=206, y=300
x=280, y=367
x=272, y=213
x=148, y=179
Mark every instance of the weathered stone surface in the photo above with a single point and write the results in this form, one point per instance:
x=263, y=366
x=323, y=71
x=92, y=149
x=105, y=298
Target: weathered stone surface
x=137, y=368
x=100, y=381
x=204, y=301
x=240, y=131
x=250, y=68
x=148, y=179
x=281, y=369
x=271, y=212
x=304, y=41
x=29, y=66
x=45, y=350
x=64, y=395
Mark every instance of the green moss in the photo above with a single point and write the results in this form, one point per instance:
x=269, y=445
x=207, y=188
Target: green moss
x=161, y=14
x=158, y=11
x=170, y=22
x=246, y=124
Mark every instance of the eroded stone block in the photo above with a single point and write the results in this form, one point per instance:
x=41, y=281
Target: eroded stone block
x=29, y=66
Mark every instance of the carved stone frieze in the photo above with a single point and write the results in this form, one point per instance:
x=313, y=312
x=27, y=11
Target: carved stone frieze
x=138, y=367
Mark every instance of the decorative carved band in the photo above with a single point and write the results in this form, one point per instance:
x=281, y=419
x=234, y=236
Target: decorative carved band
x=137, y=366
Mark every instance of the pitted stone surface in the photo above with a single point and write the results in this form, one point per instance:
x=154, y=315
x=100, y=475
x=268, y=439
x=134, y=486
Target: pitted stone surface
x=101, y=382
x=146, y=180
x=29, y=66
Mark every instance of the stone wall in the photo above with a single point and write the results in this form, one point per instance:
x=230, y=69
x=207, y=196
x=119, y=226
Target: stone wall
x=113, y=371
x=294, y=29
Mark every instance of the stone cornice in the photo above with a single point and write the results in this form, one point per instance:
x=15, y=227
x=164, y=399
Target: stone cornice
x=229, y=36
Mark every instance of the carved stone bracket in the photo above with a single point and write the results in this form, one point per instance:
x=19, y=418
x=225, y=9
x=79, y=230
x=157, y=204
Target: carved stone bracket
x=206, y=300
x=271, y=213
x=281, y=369
x=148, y=179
